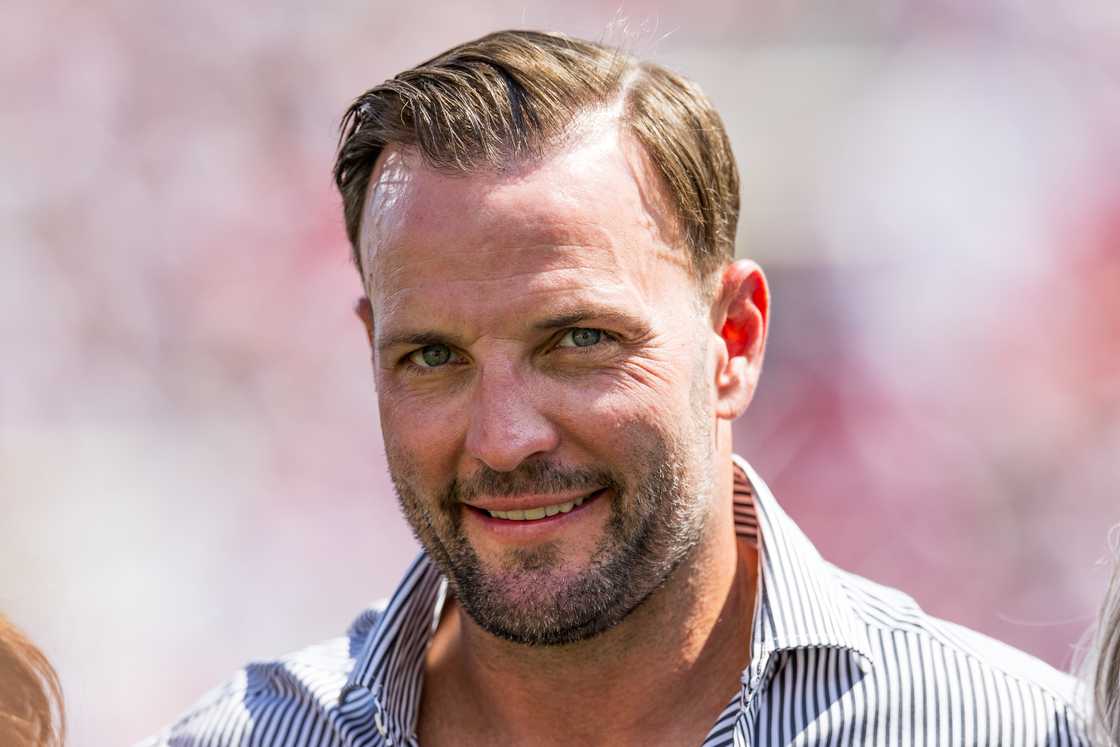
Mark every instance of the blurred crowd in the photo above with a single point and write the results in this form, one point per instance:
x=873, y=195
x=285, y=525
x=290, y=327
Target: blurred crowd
x=932, y=186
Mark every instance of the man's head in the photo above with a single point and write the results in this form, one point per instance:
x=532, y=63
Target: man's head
x=513, y=97
x=544, y=229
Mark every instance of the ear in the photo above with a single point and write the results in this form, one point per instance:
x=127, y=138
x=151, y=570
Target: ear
x=365, y=312
x=740, y=316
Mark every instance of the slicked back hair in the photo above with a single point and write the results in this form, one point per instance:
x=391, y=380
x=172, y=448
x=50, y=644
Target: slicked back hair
x=510, y=98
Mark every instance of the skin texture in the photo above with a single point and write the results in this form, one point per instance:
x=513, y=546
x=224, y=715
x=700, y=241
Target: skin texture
x=539, y=332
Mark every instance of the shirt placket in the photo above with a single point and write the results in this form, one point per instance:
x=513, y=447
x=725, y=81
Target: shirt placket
x=755, y=680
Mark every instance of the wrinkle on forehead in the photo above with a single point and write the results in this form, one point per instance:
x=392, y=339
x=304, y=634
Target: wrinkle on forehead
x=578, y=178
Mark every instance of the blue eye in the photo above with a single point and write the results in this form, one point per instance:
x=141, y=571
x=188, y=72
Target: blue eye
x=431, y=356
x=581, y=337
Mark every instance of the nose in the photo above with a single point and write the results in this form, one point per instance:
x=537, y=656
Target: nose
x=506, y=424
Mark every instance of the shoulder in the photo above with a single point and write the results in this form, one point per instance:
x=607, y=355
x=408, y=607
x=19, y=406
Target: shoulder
x=917, y=656
x=284, y=701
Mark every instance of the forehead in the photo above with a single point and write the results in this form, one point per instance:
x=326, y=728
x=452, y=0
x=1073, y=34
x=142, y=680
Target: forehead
x=597, y=207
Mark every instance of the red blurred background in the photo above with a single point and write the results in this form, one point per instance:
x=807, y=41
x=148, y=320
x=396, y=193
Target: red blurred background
x=185, y=397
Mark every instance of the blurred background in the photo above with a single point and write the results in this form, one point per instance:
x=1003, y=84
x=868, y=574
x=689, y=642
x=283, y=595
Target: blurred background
x=185, y=397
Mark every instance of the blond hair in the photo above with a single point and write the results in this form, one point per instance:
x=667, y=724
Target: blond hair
x=509, y=97
x=30, y=693
x=1105, y=663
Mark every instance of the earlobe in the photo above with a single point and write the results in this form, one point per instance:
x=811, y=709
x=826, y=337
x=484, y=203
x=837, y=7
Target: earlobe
x=742, y=314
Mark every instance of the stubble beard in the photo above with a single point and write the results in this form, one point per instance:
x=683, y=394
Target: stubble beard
x=656, y=522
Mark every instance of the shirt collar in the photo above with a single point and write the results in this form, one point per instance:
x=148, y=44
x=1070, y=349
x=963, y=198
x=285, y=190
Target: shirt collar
x=384, y=686
x=801, y=601
x=800, y=604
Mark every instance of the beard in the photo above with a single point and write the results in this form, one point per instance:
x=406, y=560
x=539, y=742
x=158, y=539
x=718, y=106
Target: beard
x=658, y=515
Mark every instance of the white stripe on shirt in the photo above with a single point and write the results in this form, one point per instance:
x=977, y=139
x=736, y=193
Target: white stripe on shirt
x=836, y=660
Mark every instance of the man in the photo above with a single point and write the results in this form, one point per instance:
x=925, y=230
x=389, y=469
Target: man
x=561, y=340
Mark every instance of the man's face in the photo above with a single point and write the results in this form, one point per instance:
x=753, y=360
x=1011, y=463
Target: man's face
x=541, y=355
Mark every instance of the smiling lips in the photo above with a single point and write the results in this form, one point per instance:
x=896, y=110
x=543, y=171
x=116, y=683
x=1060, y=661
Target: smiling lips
x=532, y=514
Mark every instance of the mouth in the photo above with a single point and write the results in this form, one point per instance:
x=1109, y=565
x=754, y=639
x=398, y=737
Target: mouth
x=539, y=513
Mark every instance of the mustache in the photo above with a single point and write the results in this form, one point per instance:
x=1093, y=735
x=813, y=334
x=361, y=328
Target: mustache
x=530, y=477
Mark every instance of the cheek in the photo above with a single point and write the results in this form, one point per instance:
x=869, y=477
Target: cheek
x=419, y=438
x=620, y=416
x=641, y=386
x=648, y=399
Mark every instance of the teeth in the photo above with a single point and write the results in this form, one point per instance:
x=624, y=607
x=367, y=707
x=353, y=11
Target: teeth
x=532, y=514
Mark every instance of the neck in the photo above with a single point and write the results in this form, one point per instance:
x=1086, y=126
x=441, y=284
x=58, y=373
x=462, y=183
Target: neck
x=691, y=635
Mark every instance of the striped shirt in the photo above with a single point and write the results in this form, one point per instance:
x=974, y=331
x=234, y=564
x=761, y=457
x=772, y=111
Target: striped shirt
x=835, y=660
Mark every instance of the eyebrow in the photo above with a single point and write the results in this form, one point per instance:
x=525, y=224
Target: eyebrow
x=559, y=321
x=418, y=339
x=576, y=318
